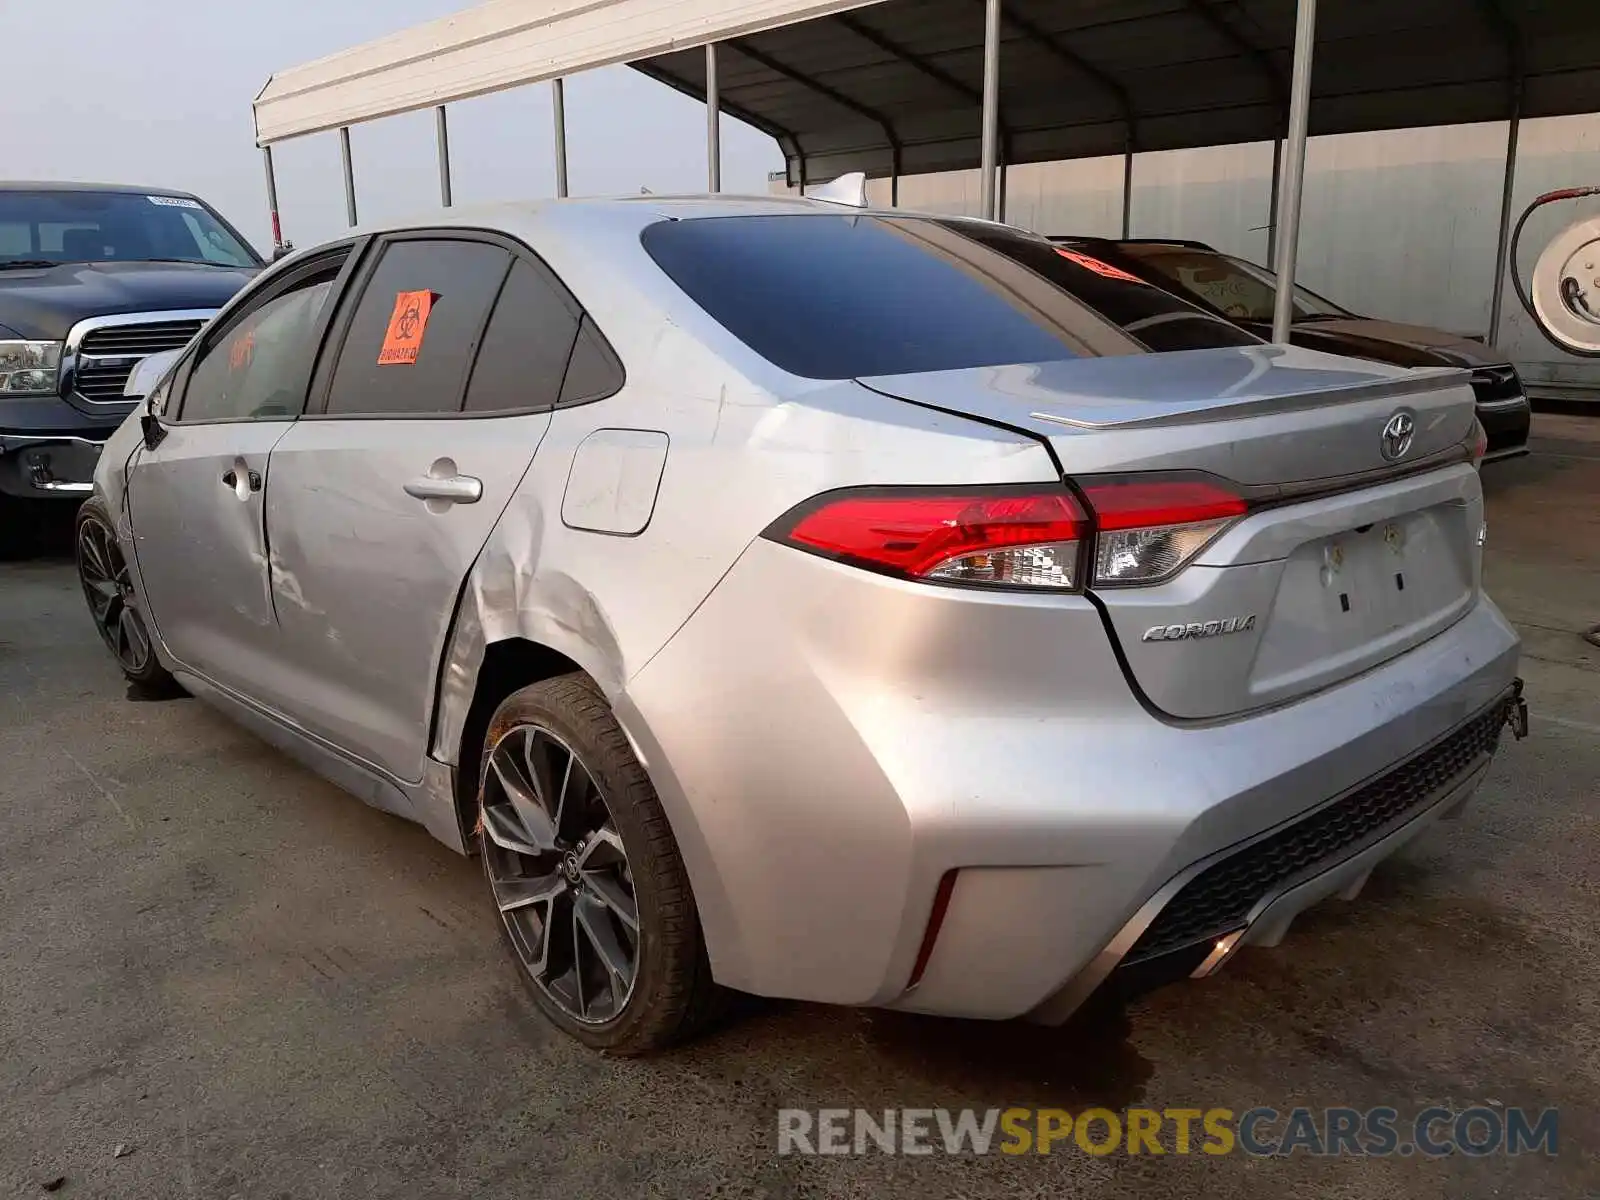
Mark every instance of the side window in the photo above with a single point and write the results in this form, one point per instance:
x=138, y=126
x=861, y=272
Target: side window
x=526, y=346
x=412, y=335
x=593, y=372
x=261, y=367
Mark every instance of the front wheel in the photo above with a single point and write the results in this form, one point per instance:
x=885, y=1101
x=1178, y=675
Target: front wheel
x=593, y=897
x=113, y=604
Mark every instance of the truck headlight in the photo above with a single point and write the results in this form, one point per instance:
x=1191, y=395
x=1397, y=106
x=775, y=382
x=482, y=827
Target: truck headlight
x=29, y=368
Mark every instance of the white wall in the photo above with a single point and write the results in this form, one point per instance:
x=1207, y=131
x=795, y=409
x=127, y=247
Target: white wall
x=1399, y=224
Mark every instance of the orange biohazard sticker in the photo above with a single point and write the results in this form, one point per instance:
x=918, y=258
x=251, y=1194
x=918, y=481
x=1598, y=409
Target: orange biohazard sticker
x=242, y=351
x=407, y=324
x=1098, y=267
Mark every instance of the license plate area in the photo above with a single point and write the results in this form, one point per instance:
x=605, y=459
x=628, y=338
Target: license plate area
x=1353, y=599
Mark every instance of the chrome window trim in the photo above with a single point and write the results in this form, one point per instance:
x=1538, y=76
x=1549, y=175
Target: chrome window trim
x=71, y=352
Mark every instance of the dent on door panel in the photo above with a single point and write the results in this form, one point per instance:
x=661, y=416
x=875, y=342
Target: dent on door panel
x=615, y=476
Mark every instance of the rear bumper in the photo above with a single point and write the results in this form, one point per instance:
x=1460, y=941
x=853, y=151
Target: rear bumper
x=830, y=745
x=1249, y=894
x=1506, y=423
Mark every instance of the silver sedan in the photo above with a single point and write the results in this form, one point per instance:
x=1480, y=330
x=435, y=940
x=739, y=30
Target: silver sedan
x=850, y=606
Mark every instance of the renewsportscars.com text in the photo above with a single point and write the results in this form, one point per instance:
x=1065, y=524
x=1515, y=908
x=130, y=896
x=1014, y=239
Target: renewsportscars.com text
x=1432, y=1132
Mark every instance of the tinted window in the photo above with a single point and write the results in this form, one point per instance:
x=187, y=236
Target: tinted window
x=526, y=345
x=593, y=372
x=260, y=368
x=421, y=313
x=67, y=226
x=830, y=296
x=1155, y=317
x=1242, y=290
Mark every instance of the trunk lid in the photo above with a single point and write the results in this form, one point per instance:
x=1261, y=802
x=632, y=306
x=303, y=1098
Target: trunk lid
x=1349, y=559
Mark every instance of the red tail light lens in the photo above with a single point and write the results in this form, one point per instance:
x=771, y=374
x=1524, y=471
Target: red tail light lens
x=1151, y=528
x=1480, y=441
x=1145, y=528
x=997, y=537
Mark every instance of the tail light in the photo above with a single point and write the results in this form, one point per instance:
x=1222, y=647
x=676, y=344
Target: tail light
x=1150, y=528
x=1480, y=442
x=1136, y=529
x=1004, y=537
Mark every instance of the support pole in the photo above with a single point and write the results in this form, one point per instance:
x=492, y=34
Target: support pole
x=349, y=175
x=558, y=104
x=1500, y=244
x=988, y=206
x=1127, y=190
x=272, y=200
x=1294, y=168
x=442, y=134
x=1272, y=204
x=713, y=123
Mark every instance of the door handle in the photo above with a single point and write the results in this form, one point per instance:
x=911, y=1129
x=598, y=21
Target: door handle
x=230, y=478
x=453, y=489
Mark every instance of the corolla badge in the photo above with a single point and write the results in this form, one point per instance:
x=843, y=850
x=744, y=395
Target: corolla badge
x=1199, y=629
x=1397, y=435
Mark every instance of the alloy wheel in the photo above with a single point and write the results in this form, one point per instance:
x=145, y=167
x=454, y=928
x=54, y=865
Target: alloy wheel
x=559, y=874
x=108, y=587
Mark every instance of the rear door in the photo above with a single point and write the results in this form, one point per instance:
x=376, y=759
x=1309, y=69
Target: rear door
x=452, y=355
x=197, y=497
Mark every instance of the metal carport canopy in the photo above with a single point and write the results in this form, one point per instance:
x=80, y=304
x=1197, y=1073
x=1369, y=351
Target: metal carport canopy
x=894, y=86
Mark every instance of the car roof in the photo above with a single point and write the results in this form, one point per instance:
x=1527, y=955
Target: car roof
x=64, y=185
x=631, y=211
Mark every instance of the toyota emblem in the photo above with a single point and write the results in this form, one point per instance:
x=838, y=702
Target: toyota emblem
x=1397, y=435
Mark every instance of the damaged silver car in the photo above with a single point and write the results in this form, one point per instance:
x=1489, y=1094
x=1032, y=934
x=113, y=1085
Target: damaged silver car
x=859, y=607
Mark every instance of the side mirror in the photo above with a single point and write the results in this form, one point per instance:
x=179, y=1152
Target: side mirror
x=148, y=372
x=148, y=379
x=153, y=432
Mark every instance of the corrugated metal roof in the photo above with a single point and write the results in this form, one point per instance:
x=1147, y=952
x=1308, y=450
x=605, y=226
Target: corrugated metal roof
x=896, y=84
x=504, y=44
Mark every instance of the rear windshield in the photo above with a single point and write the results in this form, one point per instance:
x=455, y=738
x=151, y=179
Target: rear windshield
x=65, y=226
x=829, y=296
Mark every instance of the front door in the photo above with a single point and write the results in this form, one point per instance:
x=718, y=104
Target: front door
x=197, y=498
x=451, y=360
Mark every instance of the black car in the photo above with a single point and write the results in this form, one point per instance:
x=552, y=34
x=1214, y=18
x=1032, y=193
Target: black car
x=93, y=277
x=1244, y=293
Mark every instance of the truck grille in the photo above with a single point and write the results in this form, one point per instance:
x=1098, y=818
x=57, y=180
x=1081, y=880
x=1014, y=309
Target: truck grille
x=1496, y=383
x=107, y=355
x=1220, y=898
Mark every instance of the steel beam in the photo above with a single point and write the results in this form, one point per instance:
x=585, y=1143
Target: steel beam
x=349, y=175
x=558, y=105
x=441, y=132
x=1272, y=203
x=713, y=123
x=991, y=109
x=1507, y=188
x=1294, y=167
x=1127, y=190
x=272, y=199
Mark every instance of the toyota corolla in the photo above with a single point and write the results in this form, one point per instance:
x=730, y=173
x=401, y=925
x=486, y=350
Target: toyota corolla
x=857, y=607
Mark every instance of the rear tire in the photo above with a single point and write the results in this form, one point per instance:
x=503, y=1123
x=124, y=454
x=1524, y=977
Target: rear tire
x=113, y=604
x=591, y=890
